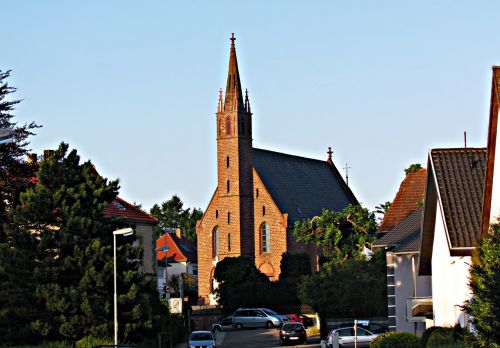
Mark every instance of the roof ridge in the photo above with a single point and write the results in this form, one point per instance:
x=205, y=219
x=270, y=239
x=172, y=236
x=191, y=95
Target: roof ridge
x=290, y=155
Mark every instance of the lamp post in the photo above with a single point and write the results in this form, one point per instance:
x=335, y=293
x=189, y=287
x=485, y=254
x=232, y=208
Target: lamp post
x=124, y=232
x=164, y=248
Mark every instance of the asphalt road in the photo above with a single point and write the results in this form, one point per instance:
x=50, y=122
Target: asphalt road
x=254, y=338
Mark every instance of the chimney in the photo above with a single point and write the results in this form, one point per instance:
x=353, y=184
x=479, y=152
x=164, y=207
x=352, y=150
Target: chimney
x=178, y=233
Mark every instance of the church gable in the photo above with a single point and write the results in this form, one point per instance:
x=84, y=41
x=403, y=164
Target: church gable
x=301, y=187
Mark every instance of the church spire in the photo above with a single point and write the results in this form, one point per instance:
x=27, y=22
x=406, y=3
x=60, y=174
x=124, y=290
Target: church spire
x=234, y=96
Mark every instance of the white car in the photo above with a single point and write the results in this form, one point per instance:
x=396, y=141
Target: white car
x=201, y=339
x=346, y=337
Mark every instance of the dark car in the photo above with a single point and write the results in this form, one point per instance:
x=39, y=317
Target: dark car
x=223, y=324
x=293, y=333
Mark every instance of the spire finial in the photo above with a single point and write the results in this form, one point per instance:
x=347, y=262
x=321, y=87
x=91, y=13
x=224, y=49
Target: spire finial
x=220, y=103
x=329, y=152
x=232, y=40
x=247, y=101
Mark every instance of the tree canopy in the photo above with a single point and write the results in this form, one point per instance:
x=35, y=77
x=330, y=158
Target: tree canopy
x=341, y=235
x=171, y=214
x=484, y=307
x=61, y=227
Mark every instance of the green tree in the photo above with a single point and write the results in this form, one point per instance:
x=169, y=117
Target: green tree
x=484, y=307
x=382, y=209
x=413, y=168
x=73, y=256
x=171, y=214
x=341, y=235
x=15, y=173
x=352, y=289
x=294, y=265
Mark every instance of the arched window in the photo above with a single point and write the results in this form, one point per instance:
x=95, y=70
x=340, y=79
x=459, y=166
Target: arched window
x=215, y=241
x=228, y=187
x=263, y=210
x=228, y=217
x=227, y=161
x=265, y=237
x=229, y=242
x=217, y=214
x=228, y=125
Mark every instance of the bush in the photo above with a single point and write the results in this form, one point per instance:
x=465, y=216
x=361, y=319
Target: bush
x=90, y=341
x=427, y=333
x=396, y=339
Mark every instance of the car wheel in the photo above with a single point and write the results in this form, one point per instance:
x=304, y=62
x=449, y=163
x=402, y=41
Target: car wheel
x=239, y=326
x=269, y=325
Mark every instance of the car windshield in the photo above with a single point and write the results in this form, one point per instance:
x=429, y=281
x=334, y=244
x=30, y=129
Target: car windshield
x=201, y=336
x=270, y=312
x=289, y=327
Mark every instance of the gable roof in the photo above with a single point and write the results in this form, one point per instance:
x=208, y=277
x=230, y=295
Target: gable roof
x=126, y=211
x=491, y=149
x=181, y=249
x=405, y=237
x=302, y=187
x=410, y=192
x=455, y=181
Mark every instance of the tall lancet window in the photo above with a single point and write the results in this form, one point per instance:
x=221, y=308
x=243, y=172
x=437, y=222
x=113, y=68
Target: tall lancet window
x=228, y=125
x=215, y=242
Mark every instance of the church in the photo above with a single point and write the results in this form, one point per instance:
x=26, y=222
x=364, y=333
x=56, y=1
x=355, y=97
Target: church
x=259, y=194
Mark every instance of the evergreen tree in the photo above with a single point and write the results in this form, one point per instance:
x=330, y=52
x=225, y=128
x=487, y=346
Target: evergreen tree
x=73, y=256
x=484, y=307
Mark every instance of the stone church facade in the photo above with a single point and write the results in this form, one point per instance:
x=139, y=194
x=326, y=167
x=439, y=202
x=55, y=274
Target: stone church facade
x=259, y=194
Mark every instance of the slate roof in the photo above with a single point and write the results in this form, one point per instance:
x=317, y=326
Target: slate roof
x=181, y=249
x=126, y=211
x=302, y=187
x=410, y=192
x=456, y=182
x=405, y=237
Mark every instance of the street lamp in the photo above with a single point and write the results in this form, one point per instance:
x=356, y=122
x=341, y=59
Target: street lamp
x=123, y=232
x=164, y=248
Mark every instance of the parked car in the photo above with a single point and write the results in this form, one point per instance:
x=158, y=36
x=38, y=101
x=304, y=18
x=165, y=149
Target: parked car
x=257, y=317
x=346, y=337
x=300, y=318
x=201, y=339
x=292, y=332
x=223, y=324
x=372, y=327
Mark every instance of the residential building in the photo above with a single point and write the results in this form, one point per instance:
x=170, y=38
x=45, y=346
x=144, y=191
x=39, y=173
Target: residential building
x=408, y=295
x=259, y=194
x=182, y=257
x=143, y=225
x=451, y=228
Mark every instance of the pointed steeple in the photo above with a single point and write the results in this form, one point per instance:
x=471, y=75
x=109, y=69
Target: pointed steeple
x=234, y=96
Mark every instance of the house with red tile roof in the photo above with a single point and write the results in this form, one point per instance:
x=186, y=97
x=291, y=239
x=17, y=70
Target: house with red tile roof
x=143, y=225
x=401, y=240
x=181, y=257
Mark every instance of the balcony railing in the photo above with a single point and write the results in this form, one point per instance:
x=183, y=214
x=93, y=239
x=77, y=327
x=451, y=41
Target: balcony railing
x=418, y=309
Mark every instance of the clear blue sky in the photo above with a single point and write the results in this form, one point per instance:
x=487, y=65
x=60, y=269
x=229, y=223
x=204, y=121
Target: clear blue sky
x=133, y=85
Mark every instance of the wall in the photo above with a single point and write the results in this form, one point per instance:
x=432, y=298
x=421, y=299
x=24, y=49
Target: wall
x=145, y=234
x=495, y=194
x=449, y=279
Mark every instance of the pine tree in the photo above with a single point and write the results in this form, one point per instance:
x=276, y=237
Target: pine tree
x=484, y=307
x=73, y=261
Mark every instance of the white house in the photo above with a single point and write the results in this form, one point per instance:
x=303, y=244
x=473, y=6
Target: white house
x=451, y=228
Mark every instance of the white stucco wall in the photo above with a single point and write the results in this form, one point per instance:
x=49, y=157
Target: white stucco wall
x=449, y=279
x=404, y=277
x=495, y=194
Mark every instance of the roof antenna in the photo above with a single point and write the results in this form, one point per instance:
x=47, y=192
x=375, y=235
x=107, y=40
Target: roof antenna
x=346, y=168
x=465, y=139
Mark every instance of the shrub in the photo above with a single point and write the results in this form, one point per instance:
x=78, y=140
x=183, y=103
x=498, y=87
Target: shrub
x=90, y=341
x=427, y=333
x=396, y=339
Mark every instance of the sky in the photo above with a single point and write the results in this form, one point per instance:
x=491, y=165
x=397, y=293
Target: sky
x=133, y=85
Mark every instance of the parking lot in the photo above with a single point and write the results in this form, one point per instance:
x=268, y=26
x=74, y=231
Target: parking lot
x=255, y=338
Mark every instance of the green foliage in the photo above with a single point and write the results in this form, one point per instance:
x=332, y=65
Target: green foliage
x=427, y=333
x=396, y=339
x=442, y=336
x=171, y=214
x=484, y=307
x=415, y=167
x=294, y=266
x=90, y=341
x=341, y=235
x=61, y=227
x=382, y=209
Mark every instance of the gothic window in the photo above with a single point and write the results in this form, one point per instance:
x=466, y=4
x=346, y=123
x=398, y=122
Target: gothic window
x=215, y=241
x=228, y=218
x=227, y=161
x=256, y=192
x=216, y=213
x=228, y=125
x=265, y=238
x=228, y=188
x=263, y=210
x=229, y=242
